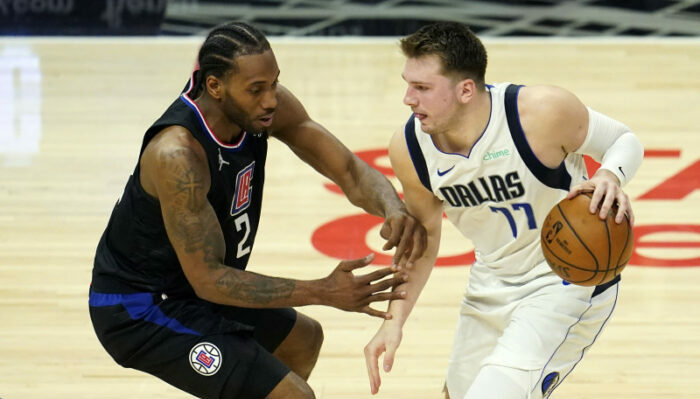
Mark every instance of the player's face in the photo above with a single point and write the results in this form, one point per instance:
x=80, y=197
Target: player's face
x=431, y=95
x=251, y=92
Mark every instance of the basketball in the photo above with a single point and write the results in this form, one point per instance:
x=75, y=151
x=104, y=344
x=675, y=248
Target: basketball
x=580, y=247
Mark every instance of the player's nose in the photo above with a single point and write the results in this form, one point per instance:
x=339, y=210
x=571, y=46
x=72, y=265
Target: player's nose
x=269, y=101
x=410, y=98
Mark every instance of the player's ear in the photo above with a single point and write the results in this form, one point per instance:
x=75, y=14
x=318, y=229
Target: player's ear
x=215, y=87
x=466, y=89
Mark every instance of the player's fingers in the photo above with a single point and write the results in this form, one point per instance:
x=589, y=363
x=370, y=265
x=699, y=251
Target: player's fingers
x=389, y=355
x=387, y=296
x=394, y=234
x=385, y=231
x=607, y=204
x=388, y=283
x=376, y=313
x=596, y=198
x=406, y=241
x=350, y=265
x=372, y=362
x=376, y=275
x=574, y=191
x=420, y=243
x=579, y=188
x=624, y=208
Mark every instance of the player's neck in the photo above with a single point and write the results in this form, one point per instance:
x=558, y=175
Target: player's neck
x=467, y=127
x=222, y=127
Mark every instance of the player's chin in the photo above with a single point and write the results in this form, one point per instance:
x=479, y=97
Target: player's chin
x=257, y=129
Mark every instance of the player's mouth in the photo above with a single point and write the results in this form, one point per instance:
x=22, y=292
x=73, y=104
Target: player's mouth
x=266, y=120
x=420, y=116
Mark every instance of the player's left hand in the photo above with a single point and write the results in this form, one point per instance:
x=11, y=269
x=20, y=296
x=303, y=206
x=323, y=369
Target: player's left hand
x=606, y=191
x=407, y=234
x=386, y=341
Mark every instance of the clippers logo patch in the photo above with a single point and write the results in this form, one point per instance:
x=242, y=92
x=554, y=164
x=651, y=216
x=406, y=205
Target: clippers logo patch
x=549, y=383
x=205, y=358
x=244, y=185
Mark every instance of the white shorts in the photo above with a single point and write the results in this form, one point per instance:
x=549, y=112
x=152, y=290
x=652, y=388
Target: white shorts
x=544, y=327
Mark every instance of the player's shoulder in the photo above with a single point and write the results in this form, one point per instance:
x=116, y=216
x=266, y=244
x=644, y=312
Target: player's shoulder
x=400, y=156
x=549, y=107
x=175, y=144
x=545, y=99
x=398, y=147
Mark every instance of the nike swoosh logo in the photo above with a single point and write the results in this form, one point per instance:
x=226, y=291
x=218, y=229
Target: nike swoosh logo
x=444, y=172
x=623, y=173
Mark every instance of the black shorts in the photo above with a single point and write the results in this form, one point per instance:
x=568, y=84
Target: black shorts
x=208, y=350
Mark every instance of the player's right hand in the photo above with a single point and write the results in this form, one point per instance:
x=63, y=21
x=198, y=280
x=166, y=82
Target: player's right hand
x=344, y=290
x=386, y=341
x=606, y=191
x=403, y=231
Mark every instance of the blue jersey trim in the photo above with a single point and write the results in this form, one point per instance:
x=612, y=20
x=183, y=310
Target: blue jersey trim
x=416, y=153
x=140, y=307
x=558, y=178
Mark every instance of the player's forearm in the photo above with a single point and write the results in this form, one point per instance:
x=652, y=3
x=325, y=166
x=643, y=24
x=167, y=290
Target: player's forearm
x=417, y=277
x=370, y=190
x=230, y=286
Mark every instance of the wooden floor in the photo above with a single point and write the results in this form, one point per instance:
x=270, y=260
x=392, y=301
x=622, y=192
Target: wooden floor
x=72, y=114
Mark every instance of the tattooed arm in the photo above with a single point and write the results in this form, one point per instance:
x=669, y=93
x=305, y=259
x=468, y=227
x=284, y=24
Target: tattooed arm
x=174, y=169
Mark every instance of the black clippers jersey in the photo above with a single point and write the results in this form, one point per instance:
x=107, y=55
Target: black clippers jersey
x=134, y=253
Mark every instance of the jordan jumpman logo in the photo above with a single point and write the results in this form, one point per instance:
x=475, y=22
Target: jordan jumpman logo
x=222, y=161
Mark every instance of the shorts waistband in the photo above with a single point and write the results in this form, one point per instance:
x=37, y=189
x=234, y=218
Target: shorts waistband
x=599, y=289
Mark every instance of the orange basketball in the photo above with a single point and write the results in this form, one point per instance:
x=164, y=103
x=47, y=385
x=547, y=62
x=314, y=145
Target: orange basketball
x=580, y=247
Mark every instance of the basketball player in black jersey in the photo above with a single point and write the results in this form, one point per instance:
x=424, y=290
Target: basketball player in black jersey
x=170, y=294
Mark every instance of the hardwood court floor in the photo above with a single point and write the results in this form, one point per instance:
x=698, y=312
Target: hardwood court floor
x=72, y=114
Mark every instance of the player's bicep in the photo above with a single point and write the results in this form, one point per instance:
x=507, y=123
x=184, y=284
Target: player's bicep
x=190, y=221
x=310, y=141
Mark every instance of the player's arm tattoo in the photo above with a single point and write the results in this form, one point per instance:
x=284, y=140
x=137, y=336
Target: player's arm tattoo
x=197, y=229
x=193, y=223
x=253, y=288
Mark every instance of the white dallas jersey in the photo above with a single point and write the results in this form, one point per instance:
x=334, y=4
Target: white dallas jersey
x=499, y=195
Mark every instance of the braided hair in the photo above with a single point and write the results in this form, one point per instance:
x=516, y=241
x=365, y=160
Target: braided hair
x=223, y=44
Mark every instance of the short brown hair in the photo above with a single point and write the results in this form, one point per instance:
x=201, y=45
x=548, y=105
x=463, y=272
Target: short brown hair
x=461, y=52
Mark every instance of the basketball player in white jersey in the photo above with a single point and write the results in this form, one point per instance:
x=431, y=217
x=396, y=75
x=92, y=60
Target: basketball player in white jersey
x=496, y=159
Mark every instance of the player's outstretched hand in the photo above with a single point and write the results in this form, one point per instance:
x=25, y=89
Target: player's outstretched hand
x=606, y=191
x=407, y=234
x=347, y=291
x=386, y=341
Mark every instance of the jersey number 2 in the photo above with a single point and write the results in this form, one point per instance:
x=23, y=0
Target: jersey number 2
x=522, y=206
x=242, y=222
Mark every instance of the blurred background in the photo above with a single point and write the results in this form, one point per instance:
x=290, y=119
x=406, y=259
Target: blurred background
x=658, y=18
